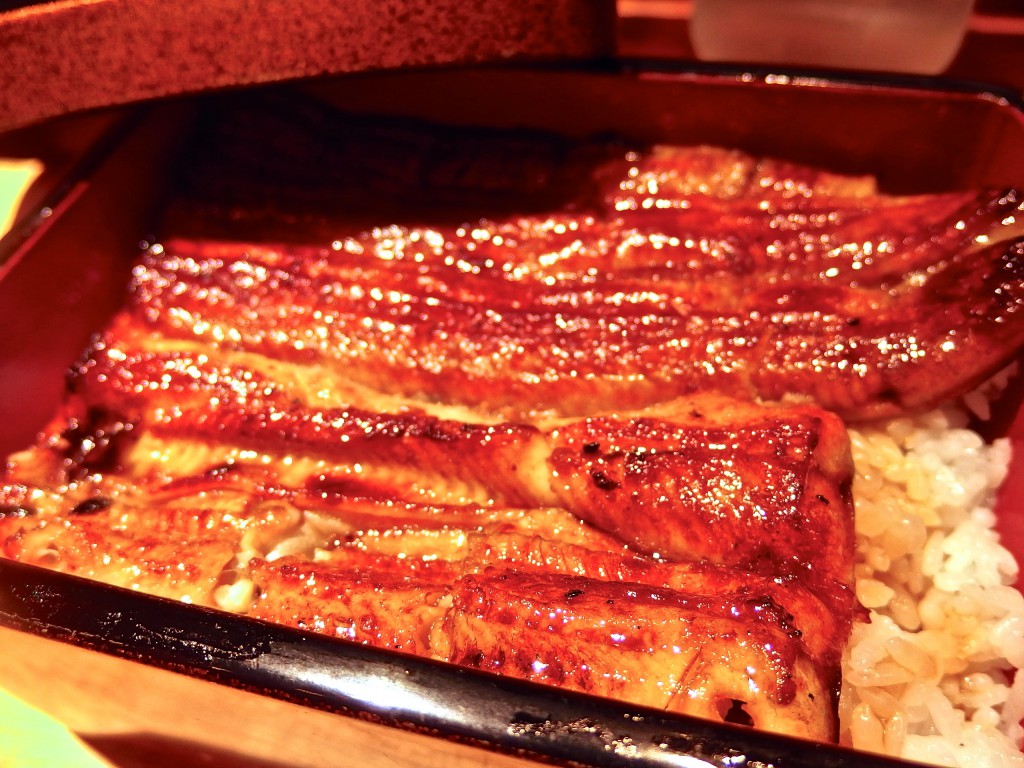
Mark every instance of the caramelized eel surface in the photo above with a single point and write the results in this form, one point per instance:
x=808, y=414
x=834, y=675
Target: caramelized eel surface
x=601, y=448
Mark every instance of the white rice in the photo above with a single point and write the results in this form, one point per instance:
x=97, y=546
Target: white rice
x=930, y=677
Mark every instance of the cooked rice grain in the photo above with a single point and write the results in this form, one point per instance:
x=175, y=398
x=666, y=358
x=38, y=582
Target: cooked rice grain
x=931, y=675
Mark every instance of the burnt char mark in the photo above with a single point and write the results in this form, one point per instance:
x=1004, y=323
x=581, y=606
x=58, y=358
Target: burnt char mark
x=602, y=481
x=91, y=506
x=95, y=443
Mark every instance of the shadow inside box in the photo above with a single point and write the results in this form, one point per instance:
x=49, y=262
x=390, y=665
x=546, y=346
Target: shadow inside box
x=145, y=750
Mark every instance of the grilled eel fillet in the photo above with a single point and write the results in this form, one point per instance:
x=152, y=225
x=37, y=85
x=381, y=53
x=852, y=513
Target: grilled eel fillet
x=695, y=556
x=694, y=271
x=530, y=445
